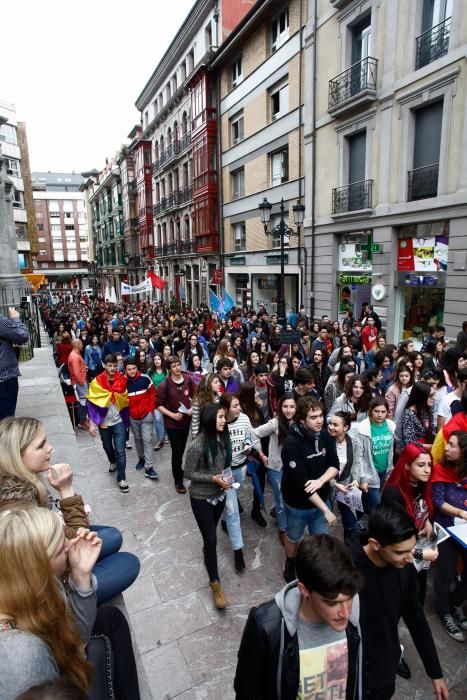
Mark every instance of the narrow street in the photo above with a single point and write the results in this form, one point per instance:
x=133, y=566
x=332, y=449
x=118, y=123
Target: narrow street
x=186, y=648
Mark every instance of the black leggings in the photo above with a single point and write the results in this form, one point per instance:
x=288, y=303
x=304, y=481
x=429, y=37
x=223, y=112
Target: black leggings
x=445, y=574
x=207, y=516
x=112, y=622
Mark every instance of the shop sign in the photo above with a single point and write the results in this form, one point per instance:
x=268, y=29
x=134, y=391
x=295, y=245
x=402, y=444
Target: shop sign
x=421, y=281
x=423, y=254
x=354, y=279
x=217, y=276
x=355, y=256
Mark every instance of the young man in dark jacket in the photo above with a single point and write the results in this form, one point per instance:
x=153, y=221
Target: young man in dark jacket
x=385, y=560
x=309, y=462
x=307, y=639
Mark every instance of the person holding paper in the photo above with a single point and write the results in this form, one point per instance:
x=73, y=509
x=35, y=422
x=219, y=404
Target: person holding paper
x=208, y=464
x=175, y=391
x=347, y=479
x=450, y=503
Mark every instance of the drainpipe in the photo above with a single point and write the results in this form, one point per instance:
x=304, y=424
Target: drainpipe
x=300, y=132
x=313, y=169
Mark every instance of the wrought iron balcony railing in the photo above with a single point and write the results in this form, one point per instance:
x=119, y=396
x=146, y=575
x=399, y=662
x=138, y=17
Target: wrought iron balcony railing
x=175, y=248
x=173, y=150
x=352, y=197
x=423, y=182
x=360, y=77
x=174, y=199
x=433, y=44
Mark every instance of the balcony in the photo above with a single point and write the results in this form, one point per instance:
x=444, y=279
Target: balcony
x=432, y=44
x=423, y=182
x=354, y=87
x=177, y=198
x=355, y=197
x=173, y=150
x=176, y=248
x=339, y=4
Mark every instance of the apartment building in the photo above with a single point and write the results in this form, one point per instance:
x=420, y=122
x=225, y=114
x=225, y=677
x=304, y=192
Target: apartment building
x=179, y=121
x=62, y=229
x=261, y=96
x=386, y=154
x=15, y=151
x=102, y=192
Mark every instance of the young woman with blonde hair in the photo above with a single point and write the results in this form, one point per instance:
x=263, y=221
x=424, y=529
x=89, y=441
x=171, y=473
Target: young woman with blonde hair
x=25, y=454
x=47, y=616
x=36, y=618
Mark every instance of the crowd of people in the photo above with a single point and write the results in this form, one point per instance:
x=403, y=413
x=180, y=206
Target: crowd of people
x=329, y=416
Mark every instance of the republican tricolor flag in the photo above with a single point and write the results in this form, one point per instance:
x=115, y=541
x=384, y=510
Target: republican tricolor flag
x=156, y=281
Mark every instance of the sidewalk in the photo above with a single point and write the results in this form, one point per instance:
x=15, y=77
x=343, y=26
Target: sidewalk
x=186, y=648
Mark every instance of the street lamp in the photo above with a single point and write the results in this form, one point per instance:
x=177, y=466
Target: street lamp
x=283, y=230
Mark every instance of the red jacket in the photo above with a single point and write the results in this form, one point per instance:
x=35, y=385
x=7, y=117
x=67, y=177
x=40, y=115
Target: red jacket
x=141, y=395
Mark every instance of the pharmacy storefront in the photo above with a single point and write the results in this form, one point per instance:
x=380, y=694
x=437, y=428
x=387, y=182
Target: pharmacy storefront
x=354, y=273
x=422, y=259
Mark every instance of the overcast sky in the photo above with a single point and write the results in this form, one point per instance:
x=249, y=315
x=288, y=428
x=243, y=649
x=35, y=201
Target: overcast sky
x=75, y=69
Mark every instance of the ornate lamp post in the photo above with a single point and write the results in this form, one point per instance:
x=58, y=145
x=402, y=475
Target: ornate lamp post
x=282, y=229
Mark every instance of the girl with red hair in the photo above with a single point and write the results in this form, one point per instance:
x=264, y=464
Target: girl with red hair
x=410, y=485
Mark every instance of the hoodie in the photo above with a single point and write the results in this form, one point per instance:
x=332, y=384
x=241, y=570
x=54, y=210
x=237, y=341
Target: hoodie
x=269, y=656
x=305, y=456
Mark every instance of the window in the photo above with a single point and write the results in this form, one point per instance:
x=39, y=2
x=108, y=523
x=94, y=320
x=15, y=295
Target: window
x=237, y=75
x=237, y=128
x=18, y=200
x=40, y=227
x=279, y=100
x=275, y=224
x=423, y=179
x=280, y=30
x=238, y=184
x=42, y=252
x=39, y=215
x=279, y=167
x=41, y=240
x=57, y=245
x=239, y=236
x=12, y=167
x=208, y=36
x=69, y=227
x=8, y=134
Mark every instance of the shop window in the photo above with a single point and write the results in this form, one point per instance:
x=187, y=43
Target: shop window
x=239, y=236
x=237, y=128
x=280, y=30
x=279, y=166
x=238, y=183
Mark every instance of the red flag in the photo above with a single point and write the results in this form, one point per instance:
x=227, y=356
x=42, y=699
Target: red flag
x=156, y=281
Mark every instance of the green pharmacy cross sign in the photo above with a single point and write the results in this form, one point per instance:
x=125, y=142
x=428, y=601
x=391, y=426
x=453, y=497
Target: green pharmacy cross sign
x=369, y=247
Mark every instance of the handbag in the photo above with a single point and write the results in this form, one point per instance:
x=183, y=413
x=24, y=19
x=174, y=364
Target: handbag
x=99, y=654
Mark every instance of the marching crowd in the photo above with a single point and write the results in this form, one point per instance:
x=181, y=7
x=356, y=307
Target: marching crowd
x=327, y=414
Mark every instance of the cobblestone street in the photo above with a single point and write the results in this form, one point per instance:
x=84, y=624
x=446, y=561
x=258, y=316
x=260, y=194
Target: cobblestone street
x=186, y=648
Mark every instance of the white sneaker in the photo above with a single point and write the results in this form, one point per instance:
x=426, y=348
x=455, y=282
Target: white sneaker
x=124, y=488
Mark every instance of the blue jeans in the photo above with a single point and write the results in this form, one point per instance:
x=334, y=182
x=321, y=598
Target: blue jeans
x=373, y=497
x=349, y=521
x=275, y=479
x=297, y=518
x=231, y=514
x=115, y=571
x=81, y=390
x=160, y=427
x=113, y=442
